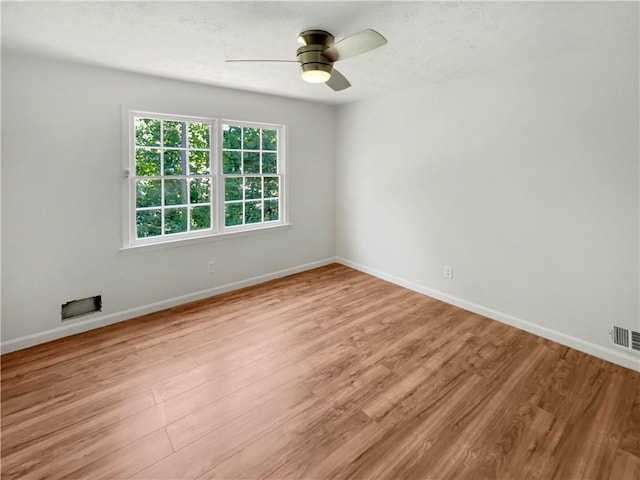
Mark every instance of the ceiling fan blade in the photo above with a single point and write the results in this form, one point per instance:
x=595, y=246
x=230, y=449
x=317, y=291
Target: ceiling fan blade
x=272, y=61
x=356, y=44
x=337, y=81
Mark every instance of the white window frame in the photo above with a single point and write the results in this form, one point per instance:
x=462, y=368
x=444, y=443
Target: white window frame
x=217, y=203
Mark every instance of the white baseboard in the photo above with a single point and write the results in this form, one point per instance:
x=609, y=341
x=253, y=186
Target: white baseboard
x=103, y=320
x=628, y=360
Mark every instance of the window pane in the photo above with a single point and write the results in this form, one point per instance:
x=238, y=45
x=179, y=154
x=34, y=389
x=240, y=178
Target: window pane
x=231, y=136
x=251, y=139
x=199, y=135
x=253, y=187
x=173, y=161
x=271, y=187
x=147, y=132
x=269, y=163
x=199, y=163
x=148, y=223
x=253, y=212
x=175, y=220
x=174, y=134
x=269, y=139
x=200, y=189
x=233, y=189
x=200, y=217
x=251, y=162
x=147, y=162
x=231, y=162
x=175, y=192
x=271, y=210
x=233, y=214
x=148, y=193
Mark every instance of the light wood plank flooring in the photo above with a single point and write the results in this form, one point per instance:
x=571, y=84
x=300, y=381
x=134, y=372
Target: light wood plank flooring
x=330, y=373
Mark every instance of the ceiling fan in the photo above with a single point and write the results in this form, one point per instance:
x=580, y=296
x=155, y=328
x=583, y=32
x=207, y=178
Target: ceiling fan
x=319, y=51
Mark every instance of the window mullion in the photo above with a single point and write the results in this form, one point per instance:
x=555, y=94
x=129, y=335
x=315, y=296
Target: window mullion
x=217, y=180
x=162, y=183
x=184, y=164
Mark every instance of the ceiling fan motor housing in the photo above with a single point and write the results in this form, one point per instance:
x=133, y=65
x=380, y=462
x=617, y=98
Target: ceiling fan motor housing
x=310, y=54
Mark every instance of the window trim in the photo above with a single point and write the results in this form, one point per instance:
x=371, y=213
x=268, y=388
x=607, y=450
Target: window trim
x=218, y=229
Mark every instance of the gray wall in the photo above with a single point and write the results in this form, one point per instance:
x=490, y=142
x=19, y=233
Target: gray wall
x=524, y=180
x=61, y=196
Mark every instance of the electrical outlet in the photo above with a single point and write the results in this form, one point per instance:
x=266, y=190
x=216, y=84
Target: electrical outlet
x=211, y=266
x=448, y=271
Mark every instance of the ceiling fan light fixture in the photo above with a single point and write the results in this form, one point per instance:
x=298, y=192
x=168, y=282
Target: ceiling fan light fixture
x=315, y=72
x=315, y=76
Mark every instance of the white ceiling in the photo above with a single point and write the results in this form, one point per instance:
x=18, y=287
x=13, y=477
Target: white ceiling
x=429, y=42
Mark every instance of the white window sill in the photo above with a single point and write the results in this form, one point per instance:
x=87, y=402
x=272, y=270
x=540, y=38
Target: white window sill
x=184, y=242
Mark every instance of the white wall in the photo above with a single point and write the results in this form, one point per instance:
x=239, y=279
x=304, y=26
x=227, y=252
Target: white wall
x=525, y=181
x=61, y=196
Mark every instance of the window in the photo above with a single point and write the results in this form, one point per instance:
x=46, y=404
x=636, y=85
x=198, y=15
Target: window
x=251, y=174
x=181, y=185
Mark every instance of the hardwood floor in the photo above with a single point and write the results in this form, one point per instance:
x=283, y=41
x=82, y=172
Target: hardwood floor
x=330, y=373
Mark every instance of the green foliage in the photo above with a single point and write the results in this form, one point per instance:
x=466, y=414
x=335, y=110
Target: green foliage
x=175, y=220
x=251, y=138
x=231, y=162
x=233, y=188
x=198, y=163
x=147, y=132
x=199, y=134
x=269, y=139
x=175, y=192
x=251, y=162
x=271, y=210
x=148, y=223
x=271, y=187
x=253, y=187
x=231, y=137
x=148, y=193
x=173, y=133
x=248, y=138
x=253, y=212
x=147, y=162
x=269, y=162
x=200, y=217
x=173, y=161
x=233, y=214
x=200, y=190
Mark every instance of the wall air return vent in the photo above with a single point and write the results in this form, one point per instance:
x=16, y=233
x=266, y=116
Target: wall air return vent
x=620, y=336
x=635, y=340
x=625, y=338
x=79, y=308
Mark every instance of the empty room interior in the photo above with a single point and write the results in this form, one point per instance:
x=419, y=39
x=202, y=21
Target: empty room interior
x=316, y=240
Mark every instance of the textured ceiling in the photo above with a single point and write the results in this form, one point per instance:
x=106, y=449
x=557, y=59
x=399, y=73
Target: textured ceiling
x=429, y=42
